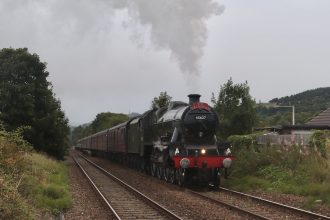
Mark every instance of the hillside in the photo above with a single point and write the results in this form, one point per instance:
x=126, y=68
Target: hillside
x=315, y=100
x=307, y=104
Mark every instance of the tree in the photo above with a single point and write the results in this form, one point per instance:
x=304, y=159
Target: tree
x=162, y=100
x=106, y=120
x=236, y=109
x=101, y=122
x=27, y=99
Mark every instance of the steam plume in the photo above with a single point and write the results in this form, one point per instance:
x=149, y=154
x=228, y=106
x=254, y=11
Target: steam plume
x=175, y=25
x=178, y=26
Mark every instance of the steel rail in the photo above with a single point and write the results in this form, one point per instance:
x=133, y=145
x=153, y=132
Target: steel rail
x=106, y=202
x=135, y=191
x=297, y=210
x=229, y=206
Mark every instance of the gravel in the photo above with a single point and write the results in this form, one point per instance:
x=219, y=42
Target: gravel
x=86, y=205
x=291, y=200
x=171, y=196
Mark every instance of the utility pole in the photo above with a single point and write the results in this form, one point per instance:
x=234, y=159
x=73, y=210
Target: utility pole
x=289, y=106
x=283, y=106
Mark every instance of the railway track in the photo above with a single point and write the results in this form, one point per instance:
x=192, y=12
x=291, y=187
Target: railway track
x=123, y=200
x=255, y=207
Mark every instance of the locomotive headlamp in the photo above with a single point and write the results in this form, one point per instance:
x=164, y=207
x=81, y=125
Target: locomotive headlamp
x=203, y=151
x=227, y=162
x=184, y=163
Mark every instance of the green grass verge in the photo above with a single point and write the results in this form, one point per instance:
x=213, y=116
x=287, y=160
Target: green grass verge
x=285, y=171
x=30, y=183
x=46, y=184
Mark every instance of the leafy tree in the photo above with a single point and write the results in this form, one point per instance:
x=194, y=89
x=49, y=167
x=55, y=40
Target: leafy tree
x=106, y=120
x=162, y=100
x=101, y=122
x=307, y=105
x=77, y=133
x=27, y=99
x=235, y=108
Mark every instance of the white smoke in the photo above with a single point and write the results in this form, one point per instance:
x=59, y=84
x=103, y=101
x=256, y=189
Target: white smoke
x=175, y=25
x=178, y=26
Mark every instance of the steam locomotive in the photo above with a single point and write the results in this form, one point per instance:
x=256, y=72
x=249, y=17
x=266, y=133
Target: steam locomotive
x=176, y=143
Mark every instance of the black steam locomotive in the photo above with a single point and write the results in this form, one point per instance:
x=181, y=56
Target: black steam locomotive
x=176, y=143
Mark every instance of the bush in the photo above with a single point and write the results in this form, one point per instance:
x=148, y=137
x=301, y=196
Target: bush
x=281, y=170
x=13, y=153
x=239, y=142
x=320, y=142
x=47, y=184
x=30, y=183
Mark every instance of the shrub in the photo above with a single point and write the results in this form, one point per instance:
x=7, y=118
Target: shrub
x=280, y=169
x=320, y=142
x=29, y=183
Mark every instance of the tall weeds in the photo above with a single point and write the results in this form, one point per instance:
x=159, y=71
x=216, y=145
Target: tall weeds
x=285, y=170
x=30, y=183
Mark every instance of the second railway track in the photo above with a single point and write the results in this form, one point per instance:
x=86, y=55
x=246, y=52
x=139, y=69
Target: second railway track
x=124, y=201
x=255, y=207
x=246, y=206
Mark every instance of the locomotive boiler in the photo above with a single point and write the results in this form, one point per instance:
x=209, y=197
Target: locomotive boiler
x=186, y=148
x=176, y=143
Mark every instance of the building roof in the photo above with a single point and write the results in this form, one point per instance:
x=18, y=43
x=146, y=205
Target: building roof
x=322, y=119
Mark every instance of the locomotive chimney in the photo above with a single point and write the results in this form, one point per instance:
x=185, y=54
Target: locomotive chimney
x=193, y=98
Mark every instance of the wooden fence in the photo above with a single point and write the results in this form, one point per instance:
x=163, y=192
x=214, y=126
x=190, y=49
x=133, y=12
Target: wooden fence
x=301, y=139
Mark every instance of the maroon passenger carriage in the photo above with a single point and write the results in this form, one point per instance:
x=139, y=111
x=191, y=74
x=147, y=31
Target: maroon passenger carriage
x=177, y=143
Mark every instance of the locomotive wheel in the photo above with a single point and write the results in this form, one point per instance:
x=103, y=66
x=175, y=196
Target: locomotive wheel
x=180, y=177
x=169, y=174
x=166, y=174
x=160, y=172
x=216, y=180
x=141, y=165
x=171, y=177
x=153, y=169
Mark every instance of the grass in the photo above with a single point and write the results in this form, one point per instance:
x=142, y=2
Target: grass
x=30, y=183
x=286, y=171
x=47, y=184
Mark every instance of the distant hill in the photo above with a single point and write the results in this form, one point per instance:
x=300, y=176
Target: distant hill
x=133, y=114
x=315, y=100
x=307, y=105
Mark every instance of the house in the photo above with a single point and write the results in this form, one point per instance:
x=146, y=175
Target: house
x=322, y=119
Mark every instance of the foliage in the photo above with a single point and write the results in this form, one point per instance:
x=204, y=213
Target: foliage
x=107, y=120
x=235, y=108
x=320, y=142
x=281, y=170
x=162, y=100
x=239, y=141
x=12, y=161
x=27, y=99
x=101, y=122
x=314, y=100
x=25, y=179
x=46, y=184
x=307, y=105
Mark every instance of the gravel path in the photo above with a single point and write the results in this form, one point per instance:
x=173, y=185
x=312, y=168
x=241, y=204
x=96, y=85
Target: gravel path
x=171, y=196
x=86, y=205
x=291, y=200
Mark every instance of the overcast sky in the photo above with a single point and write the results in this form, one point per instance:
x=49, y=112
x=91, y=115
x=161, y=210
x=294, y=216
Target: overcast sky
x=116, y=55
